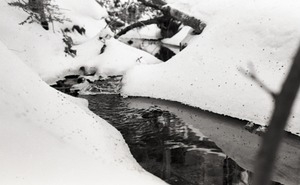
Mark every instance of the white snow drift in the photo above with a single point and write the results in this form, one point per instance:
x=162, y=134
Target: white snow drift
x=43, y=50
x=262, y=35
x=47, y=137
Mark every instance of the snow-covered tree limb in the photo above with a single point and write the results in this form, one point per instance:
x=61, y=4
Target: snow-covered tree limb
x=139, y=24
x=168, y=12
x=193, y=22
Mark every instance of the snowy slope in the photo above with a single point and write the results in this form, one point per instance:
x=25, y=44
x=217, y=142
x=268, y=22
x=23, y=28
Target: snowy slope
x=262, y=34
x=44, y=50
x=45, y=138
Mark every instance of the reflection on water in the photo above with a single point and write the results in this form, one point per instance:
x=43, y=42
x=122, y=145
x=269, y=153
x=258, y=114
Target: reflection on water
x=160, y=137
x=168, y=148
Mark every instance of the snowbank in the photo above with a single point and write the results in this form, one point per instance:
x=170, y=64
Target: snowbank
x=261, y=34
x=147, y=32
x=44, y=52
x=45, y=138
x=116, y=59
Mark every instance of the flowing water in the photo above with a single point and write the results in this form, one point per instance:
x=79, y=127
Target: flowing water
x=163, y=142
x=185, y=145
x=165, y=145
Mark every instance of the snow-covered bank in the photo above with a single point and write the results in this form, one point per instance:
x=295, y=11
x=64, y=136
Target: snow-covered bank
x=207, y=73
x=43, y=50
x=45, y=138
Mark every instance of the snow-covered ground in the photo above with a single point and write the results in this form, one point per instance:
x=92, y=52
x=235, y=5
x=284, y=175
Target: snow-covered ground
x=261, y=36
x=44, y=50
x=50, y=138
x=47, y=137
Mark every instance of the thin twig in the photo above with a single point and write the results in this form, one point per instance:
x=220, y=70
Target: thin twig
x=252, y=75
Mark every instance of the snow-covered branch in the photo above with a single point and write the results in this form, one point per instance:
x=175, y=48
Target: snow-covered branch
x=139, y=24
x=168, y=13
x=167, y=10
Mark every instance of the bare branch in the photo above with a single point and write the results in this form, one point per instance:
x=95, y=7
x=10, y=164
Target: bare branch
x=139, y=24
x=252, y=75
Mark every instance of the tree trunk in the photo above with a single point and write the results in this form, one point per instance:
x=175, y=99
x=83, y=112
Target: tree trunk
x=271, y=142
x=38, y=7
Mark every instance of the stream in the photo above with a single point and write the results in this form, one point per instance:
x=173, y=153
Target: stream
x=180, y=144
x=187, y=146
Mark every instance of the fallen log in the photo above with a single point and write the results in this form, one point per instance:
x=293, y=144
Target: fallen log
x=184, y=18
x=168, y=12
x=139, y=24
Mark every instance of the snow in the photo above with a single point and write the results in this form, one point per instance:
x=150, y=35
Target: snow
x=179, y=38
x=47, y=137
x=85, y=13
x=147, y=32
x=44, y=50
x=118, y=58
x=258, y=35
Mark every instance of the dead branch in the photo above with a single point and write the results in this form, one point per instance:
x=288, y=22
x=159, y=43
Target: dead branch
x=139, y=24
x=283, y=105
x=252, y=75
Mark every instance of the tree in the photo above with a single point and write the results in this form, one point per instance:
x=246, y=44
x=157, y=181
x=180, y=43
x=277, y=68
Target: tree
x=40, y=11
x=38, y=6
x=272, y=139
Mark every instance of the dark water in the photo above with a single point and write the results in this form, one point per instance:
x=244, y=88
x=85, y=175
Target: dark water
x=182, y=144
x=166, y=146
